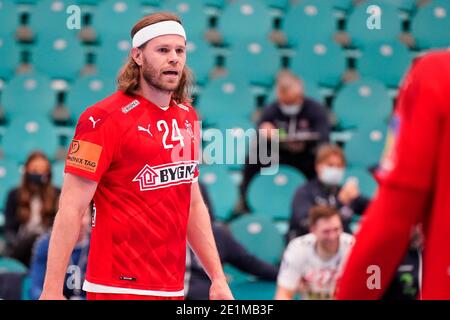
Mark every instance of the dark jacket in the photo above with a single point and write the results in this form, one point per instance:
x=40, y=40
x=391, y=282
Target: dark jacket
x=311, y=118
x=19, y=249
x=315, y=193
x=230, y=251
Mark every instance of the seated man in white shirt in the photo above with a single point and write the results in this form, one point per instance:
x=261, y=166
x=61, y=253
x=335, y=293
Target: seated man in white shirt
x=311, y=263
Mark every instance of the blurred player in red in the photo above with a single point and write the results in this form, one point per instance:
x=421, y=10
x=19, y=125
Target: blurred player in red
x=414, y=188
x=135, y=154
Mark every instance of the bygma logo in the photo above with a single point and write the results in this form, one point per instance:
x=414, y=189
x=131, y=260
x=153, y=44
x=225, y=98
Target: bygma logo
x=165, y=175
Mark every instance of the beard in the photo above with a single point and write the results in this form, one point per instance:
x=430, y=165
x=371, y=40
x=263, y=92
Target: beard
x=155, y=79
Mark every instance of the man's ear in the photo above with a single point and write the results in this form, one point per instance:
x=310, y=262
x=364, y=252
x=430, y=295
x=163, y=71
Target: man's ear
x=137, y=56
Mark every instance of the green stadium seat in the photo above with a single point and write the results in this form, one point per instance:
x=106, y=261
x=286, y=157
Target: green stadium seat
x=254, y=290
x=87, y=91
x=430, y=27
x=345, y=5
x=281, y=188
x=200, y=58
x=366, y=182
x=235, y=138
x=60, y=57
x=323, y=62
x=310, y=20
x=259, y=236
x=152, y=3
x=11, y=265
x=192, y=14
x=365, y=147
x=112, y=54
x=406, y=5
x=30, y=133
x=9, y=18
x=277, y=4
x=361, y=104
x=221, y=189
x=214, y=3
x=244, y=20
x=312, y=90
x=28, y=93
x=361, y=35
x=10, y=53
x=256, y=60
x=58, y=173
x=48, y=18
x=116, y=18
x=228, y=97
x=393, y=56
x=9, y=178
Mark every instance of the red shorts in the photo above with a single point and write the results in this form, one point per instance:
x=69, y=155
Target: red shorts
x=114, y=296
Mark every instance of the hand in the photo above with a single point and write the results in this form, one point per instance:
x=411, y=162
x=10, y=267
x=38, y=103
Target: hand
x=349, y=192
x=220, y=290
x=268, y=129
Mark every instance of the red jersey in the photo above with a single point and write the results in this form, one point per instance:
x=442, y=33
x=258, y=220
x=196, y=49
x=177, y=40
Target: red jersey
x=144, y=159
x=414, y=188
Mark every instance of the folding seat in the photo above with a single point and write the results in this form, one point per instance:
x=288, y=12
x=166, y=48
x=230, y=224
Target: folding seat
x=26, y=134
x=28, y=94
x=244, y=20
x=192, y=14
x=59, y=56
x=222, y=190
x=394, y=58
x=323, y=62
x=201, y=58
x=365, y=148
x=430, y=27
x=87, y=91
x=281, y=188
x=259, y=236
x=357, y=25
x=362, y=104
x=224, y=98
x=257, y=60
x=309, y=21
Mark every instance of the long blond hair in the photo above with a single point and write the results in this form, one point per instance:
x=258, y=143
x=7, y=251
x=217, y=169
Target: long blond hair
x=129, y=75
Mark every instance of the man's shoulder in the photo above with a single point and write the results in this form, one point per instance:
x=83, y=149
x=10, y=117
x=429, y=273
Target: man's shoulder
x=313, y=106
x=302, y=242
x=113, y=107
x=347, y=239
x=308, y=187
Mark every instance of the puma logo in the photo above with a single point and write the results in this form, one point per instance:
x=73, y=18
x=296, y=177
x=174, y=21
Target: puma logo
x=145, y=130
x=94, y=122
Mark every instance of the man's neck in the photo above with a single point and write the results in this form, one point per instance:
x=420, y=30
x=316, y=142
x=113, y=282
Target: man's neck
x=324, y=254
x=156, y=96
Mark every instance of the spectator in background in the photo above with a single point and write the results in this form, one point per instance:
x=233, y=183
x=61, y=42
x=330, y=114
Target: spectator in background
x=312, y=263
x=302, y=122
x=30, y=209
x=326, y=189
x=197, y=282
x=77, y=265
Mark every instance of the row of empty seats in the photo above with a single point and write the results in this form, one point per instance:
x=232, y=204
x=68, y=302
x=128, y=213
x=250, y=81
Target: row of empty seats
x=308, y=19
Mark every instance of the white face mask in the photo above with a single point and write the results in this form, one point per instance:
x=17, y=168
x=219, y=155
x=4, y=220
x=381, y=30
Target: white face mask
x=331, y=176
x=290, y=110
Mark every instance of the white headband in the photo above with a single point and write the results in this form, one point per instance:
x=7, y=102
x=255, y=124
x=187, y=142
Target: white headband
x=157, y=29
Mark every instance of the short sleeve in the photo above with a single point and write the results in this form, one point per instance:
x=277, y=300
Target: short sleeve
x=290, y=270
x=94, y=145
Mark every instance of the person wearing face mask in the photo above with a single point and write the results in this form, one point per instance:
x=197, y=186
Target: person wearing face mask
x=30, y=208
x=302, y=125
x=328, y=189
